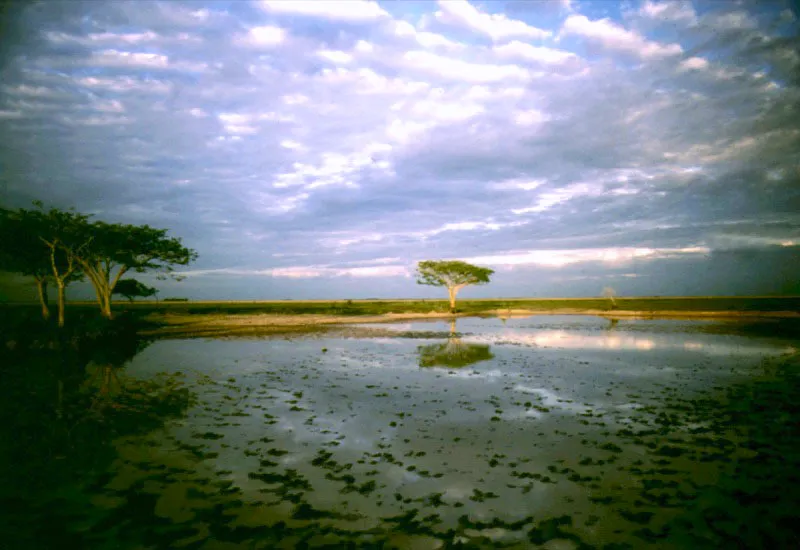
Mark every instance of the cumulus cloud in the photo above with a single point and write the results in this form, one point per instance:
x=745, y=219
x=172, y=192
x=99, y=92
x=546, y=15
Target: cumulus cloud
x=541, y=54
x=616, y=38
x=343, y=10
x=458, y=69
x=264, y=36
x=423, y=38
x=671, y=11
x=496, y=26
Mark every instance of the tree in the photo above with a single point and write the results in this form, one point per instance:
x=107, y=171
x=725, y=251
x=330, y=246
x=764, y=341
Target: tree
x=22, y=252
x=609, y=293
x=454, y=353
x=62, y=246
x=63, y=234
x=116, y=249
x=455, y=275
x=131, y=288
x=43, y=244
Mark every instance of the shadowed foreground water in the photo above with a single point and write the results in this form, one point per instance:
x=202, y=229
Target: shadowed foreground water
x=561, y=432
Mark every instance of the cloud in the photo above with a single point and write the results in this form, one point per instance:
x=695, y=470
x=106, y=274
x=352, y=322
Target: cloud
x=560, y=258
x=336, y=56
x=424, y=38
x=541, y=54
x=693, y=64
x=335, y=169
x=730, y=21
x=96, y=39
x=236, y=123
x=116, y=58
x=97, y=120
x=264, y=36
x=547, y=200
x=669, y=11
x=322, y=149
x=495, y=26
x=341, y=10
x=307, y=272
x=457, y=69
x=614, y=37
x=521, y=184
x=31, y=91
x=466, y=226
x=126, y=84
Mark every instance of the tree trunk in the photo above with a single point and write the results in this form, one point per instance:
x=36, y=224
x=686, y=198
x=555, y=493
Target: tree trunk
x=452, y=291
x=41, y=284
x=61, y=288
x=100, y=276
x=106, y=305
x=97, y=293
x=102, y=292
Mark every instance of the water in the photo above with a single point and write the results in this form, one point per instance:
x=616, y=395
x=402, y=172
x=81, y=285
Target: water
x=564, y=431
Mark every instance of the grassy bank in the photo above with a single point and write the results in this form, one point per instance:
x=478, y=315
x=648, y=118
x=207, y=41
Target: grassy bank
x=219, y=318
x=474, y=306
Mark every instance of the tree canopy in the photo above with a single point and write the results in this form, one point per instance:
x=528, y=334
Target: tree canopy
x=22, y=252
x=610, y=293
x=454, y=353
x=42, y=244
x=117, y=249
x=131, y=288
x=453, y=274
x=63, y=245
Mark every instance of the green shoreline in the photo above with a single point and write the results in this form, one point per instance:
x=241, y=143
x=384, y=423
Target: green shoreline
x=466, y=305
x=231, y=318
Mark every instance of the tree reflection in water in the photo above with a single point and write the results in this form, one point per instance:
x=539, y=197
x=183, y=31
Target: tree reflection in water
x=67, y=403
x=109, y=355
x=454, y=353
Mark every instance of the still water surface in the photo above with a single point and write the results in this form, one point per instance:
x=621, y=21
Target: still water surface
x=561, y=432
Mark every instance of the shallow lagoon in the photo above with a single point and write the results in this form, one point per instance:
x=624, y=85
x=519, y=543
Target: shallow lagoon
x=564, y=432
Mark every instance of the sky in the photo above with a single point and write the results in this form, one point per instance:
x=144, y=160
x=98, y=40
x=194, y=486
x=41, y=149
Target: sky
x=319, y=149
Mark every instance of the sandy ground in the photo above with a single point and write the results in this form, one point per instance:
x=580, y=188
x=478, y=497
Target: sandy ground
x=214, y=324
x=217, y=325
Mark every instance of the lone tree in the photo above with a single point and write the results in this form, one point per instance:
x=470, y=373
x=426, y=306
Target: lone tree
x=455, y=275
x=454, y=353
x=610, y=293
x=131, y=288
